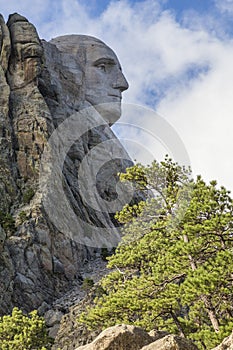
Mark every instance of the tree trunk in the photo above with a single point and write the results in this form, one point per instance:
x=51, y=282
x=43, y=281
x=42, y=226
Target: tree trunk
x=210, y=310
x=177, y=323
x=192, y=263
x=208, y=305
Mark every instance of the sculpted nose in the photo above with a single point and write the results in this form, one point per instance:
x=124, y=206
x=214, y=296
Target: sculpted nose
x=121, y=82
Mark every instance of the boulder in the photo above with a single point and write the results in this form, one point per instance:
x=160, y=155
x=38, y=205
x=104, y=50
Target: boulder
x=119, y=337
x=171, y=342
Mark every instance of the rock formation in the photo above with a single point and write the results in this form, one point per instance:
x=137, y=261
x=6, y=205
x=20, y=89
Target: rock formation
x=59, y=165
x=59, y=161
x=125, y=337
x=119, y=337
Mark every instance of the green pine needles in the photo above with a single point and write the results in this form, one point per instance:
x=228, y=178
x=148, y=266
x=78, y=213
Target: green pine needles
x=173, y=270
x=23, y=332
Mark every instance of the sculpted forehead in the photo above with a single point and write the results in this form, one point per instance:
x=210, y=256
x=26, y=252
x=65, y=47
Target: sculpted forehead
x=85, y=47
x=73, y=43
x=95, y=53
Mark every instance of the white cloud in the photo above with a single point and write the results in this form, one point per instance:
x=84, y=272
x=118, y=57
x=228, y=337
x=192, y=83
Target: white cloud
x=202, y=115
x=224, y=5
x=161, y=58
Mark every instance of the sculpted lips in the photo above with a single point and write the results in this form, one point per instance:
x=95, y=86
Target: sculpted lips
x=115, y=95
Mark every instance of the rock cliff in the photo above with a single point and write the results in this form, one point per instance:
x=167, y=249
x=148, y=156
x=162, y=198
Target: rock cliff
x=59, y=161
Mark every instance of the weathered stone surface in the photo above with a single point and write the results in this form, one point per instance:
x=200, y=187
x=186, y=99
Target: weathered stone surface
x=120, y=337
x=8, y=188
x=171, y=342
x=30, y=114
x=5, y=48
x=42, y=85
x=125, y=337
x=52, y=320
x=155, y=334
x=2, y=237
x=71, y=334
x=227, y=344
x=52, y=317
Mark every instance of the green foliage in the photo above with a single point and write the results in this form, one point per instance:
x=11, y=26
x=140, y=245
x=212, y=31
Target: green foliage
x=7, y=222
x=173, y=269
x=21, y=332
x=98, y=290
x=28, y=195
x=106, y=252
x=88, y=283
x=22, y=216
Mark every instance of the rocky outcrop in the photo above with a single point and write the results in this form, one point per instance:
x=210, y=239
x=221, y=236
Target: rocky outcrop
x=53, y=216
x=8, y=187
x=71, y=334
x=120, y=337
x=171, y=342
x=125, y=337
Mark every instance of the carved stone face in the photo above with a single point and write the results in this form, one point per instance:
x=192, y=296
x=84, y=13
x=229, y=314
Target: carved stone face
x=104, y=81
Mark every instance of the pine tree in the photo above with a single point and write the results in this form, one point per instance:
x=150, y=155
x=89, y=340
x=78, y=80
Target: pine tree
x=19, y=332
x=174, y=269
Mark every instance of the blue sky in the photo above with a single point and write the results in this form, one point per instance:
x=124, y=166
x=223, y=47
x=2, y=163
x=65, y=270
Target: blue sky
x=51, y=9
x=178, y=58
x=180, y=5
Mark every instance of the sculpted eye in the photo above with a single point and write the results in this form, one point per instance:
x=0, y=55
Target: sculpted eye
x=102, y=66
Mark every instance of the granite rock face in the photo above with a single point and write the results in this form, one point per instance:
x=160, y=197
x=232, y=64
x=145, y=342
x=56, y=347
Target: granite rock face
x=119, y=337
x=59, y=161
